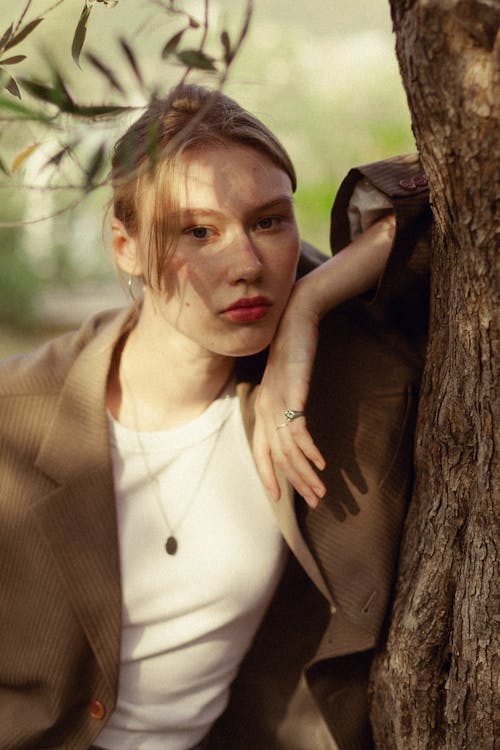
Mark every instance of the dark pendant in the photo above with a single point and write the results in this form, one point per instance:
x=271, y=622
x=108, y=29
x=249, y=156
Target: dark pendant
x=171, y=545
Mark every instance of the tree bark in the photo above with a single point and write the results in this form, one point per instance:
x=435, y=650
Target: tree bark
x=433, y=680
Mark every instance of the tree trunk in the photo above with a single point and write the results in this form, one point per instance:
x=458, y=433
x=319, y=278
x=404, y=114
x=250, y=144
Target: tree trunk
x=433, y=681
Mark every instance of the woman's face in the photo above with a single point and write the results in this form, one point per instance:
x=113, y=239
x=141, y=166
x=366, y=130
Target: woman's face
x=234, y=261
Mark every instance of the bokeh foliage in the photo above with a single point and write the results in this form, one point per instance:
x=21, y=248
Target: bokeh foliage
x=323, y=76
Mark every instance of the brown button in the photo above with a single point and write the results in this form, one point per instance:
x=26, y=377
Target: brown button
x=96, y=710
x=421, y=180
x=408, y=184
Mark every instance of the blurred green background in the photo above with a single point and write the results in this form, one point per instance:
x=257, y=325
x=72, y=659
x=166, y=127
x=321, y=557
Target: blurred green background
x=322, y=74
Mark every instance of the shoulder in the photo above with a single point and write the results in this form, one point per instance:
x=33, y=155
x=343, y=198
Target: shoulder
x=43, y=370
x=56, y=378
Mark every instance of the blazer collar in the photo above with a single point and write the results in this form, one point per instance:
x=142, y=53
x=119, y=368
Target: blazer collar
x=73, y=445
x=78, y=519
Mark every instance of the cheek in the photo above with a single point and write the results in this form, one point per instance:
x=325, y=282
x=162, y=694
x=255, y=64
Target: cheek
x=286, y=260
x=190, y=283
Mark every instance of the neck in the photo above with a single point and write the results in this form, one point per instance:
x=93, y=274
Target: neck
x=161, y=381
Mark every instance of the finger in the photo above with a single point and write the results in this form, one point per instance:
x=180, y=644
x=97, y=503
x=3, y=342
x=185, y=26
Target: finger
x=266, y=470
x=311, y=497
x=299, y=471
x=304, y=441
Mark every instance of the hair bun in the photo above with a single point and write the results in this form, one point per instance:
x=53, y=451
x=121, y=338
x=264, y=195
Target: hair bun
x=185, y=105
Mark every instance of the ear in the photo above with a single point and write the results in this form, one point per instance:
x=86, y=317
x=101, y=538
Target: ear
x=125, y=249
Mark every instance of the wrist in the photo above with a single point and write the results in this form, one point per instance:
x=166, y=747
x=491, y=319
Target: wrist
x=303, y=300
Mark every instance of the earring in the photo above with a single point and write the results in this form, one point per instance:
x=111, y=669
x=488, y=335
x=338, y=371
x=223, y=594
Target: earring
x=134, y=286
x=130, y=288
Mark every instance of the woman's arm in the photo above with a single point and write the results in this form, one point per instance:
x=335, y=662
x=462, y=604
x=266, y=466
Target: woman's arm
x=286, y=380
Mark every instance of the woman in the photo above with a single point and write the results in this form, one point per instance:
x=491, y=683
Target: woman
x=140, y=552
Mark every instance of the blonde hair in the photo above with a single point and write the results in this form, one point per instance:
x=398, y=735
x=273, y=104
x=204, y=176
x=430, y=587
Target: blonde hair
x=145, y=158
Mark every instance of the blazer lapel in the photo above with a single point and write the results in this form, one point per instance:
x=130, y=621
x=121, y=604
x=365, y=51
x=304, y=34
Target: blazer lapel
x=78, y=518
x=284, y=509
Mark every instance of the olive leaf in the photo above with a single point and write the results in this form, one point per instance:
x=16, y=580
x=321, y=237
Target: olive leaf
x=57, y=94
x=56, y=158
x=3, y=167
x=61, y=98
x=7, y=82
x=23, y=33
x=13, y=60
x=81, y=29
x=226, y=44
x=23, y=111
x=132, y=61
x=105, y=70
x=60, y=86
x=80, y=34
x=13, y=88
x=100, y=110
x=22, y=156
x=194, y=58
x=6, y=36
x=94, y=167
x=172, y=44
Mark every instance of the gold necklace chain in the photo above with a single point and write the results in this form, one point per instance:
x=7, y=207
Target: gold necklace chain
x=171, y=543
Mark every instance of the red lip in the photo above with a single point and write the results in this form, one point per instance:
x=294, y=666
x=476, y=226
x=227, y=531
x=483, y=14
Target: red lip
x=248, y=309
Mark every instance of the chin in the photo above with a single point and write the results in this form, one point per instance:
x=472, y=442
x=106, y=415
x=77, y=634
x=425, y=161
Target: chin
x=252, y=345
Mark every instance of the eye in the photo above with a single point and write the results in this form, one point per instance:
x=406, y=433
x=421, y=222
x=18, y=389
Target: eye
x=267, y=222
x=199, y=233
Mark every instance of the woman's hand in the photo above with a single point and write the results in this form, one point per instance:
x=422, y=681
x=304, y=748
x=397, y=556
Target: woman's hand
x=287, y=445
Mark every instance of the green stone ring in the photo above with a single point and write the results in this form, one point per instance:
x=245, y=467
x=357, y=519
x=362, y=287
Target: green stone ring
x=292, y=414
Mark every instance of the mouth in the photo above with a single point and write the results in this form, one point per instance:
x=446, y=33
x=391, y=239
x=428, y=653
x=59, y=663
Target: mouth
x=248, y=309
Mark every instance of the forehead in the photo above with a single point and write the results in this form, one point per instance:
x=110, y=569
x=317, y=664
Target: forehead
x=229, y=176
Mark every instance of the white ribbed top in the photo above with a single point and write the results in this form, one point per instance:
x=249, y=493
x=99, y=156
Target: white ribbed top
x=188, y=619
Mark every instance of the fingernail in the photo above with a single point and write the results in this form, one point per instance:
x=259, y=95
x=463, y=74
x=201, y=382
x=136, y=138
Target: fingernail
x=312, y=501
x=320, y=491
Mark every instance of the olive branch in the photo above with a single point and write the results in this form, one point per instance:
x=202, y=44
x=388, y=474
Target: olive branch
x=64, y=122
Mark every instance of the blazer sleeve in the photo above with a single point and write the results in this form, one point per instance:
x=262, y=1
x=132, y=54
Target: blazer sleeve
x=401, y=296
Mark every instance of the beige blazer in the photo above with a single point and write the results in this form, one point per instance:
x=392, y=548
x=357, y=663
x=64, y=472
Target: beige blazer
x=304, y=681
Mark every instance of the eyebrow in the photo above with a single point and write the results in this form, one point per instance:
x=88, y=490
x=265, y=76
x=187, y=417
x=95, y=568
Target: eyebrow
x=275, y=202
x=257, y=209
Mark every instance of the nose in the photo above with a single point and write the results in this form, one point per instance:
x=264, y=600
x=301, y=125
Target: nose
x=244, y=263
